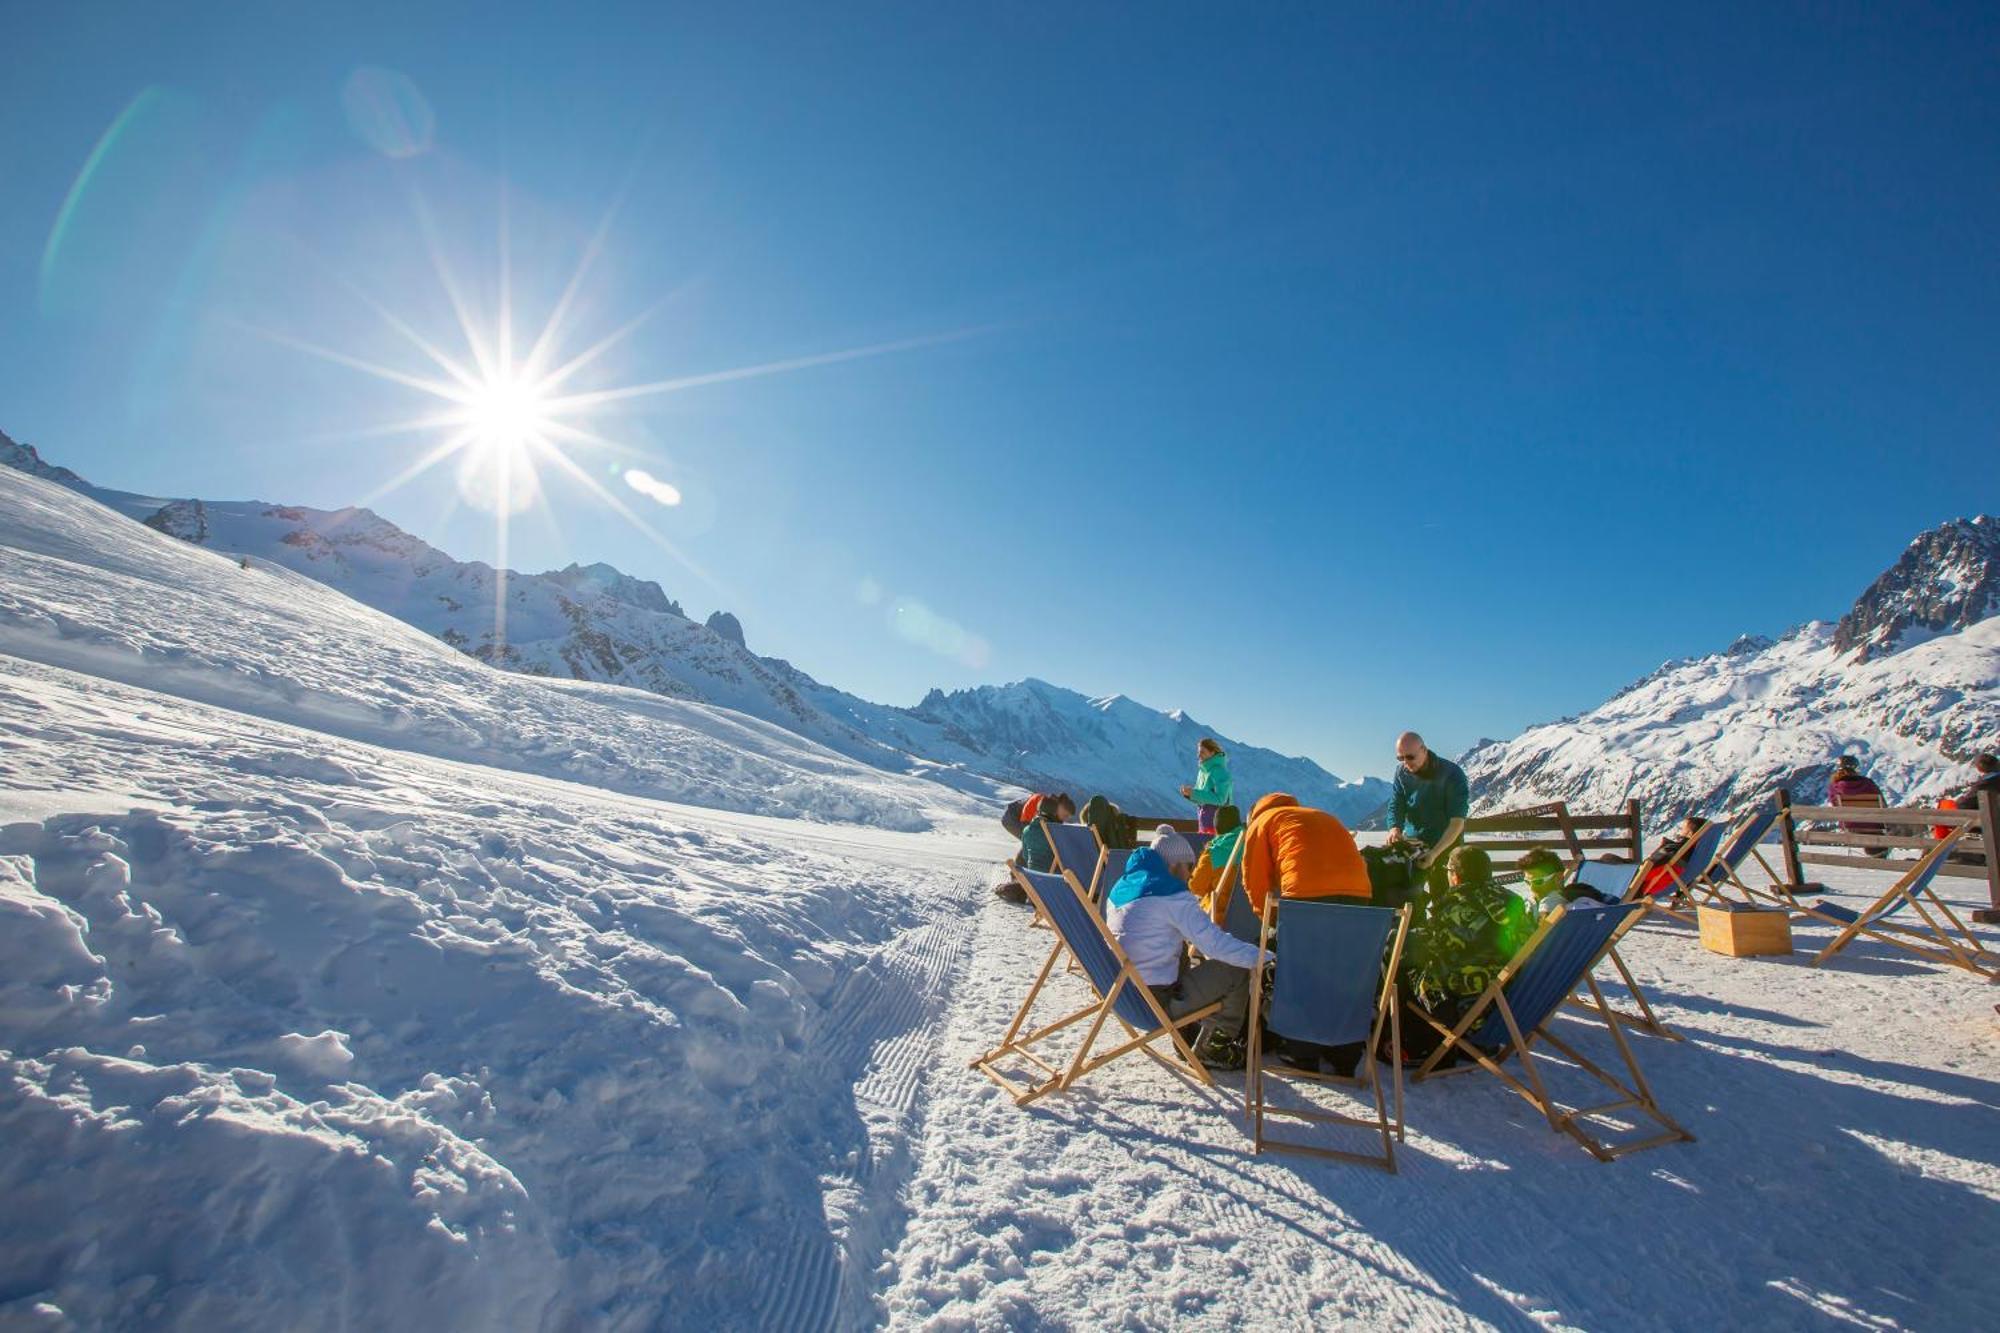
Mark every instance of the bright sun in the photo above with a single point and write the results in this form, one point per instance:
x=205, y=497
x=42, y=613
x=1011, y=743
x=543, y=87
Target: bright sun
x=506, y=415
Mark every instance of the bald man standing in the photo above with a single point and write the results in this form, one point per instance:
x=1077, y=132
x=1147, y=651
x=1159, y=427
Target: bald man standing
x=1428, y=793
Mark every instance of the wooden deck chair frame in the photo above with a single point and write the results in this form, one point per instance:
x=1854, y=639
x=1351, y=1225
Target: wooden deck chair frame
x=1644, y=1020
x=1387, y=1012
x=1777, y=890
x=1062, y=1073
x=1636, y=1096
x=1956, y=945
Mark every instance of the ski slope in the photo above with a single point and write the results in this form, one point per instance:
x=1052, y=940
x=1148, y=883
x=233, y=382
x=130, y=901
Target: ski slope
x=349, y=983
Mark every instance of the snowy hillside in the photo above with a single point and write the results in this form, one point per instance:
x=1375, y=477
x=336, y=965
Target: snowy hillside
x=83, y=588
x=593, y=623
x=1908, y=682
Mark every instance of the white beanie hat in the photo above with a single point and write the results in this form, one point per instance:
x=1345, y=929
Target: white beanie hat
x=1172, y=847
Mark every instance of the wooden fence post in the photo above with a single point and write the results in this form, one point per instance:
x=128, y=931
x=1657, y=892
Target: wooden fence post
x=1638, y=829
x=1989, y=834
x=1788, y=836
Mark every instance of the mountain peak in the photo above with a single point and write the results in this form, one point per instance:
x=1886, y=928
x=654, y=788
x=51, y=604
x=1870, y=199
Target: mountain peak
x=1945, y=580
x=728, y=627
x=23, y=457
x=602, y=580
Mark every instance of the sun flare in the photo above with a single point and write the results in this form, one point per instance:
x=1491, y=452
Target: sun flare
x=506, y=414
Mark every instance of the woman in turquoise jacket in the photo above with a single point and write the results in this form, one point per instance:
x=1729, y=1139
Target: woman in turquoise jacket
x=1212, y=786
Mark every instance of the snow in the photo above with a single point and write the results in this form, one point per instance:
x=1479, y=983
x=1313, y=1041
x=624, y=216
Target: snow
x=348, y=982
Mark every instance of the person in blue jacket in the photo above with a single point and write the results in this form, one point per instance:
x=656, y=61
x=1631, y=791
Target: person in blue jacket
x=1155, y=918
x=1428, y=793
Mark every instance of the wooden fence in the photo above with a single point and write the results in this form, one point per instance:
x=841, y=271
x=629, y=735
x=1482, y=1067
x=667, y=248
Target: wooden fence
x=1812, y=835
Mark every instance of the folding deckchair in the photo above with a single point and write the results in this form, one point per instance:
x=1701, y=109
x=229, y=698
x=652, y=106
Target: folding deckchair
x=1957, y=946
x=1726, y=866
x=1687, y=868
x=1077, y=851
x=1514, y=1013
x=1613, y=879
x=1118, y=995
x=1331, y=986
x=1620, y=881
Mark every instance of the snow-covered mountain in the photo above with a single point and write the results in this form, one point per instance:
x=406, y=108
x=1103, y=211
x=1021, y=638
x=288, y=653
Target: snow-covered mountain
x=1039, y=735
x=594, y=623
x=1908, y=681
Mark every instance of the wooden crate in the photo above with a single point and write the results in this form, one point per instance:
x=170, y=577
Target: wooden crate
x=1742, y=931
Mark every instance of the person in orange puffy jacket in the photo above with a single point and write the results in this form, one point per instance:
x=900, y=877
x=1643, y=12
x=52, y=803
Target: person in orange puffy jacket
x=1299, y=853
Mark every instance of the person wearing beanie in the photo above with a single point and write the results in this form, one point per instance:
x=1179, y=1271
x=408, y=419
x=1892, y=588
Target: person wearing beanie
x=1850, y=786
x=1153, y=916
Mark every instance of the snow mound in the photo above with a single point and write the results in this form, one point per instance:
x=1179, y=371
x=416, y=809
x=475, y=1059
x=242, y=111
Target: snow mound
x=337, y=1029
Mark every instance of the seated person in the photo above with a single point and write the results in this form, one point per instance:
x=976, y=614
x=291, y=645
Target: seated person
x=1464, y=936
x=1152, y=914
x=1208, y=867
x=1850, y=786
x=1114, y=828
x=1036, y=853
x=1543, y=872
x=1296, y=853
x=1658, y=878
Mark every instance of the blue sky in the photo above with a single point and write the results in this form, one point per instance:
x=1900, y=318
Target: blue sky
x=1324, y=373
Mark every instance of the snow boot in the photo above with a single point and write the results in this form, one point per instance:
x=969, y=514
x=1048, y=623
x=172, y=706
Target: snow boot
x=1010, y=892
x=1220, y=1053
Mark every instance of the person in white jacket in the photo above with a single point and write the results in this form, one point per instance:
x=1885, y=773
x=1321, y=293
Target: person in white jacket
x=1154, y=915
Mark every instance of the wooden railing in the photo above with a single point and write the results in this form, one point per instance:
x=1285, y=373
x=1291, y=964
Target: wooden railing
x=1572, y=835
x=1811, y=835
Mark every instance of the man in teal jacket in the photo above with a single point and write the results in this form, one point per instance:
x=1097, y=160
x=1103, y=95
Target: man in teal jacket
x=1428, y=793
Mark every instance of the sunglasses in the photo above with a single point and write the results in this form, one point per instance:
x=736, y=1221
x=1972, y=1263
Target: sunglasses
x=1406, y=759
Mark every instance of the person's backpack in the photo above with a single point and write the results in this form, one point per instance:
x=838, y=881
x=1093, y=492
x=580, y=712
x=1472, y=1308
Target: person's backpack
x=1392, y=874
x=1011, y=818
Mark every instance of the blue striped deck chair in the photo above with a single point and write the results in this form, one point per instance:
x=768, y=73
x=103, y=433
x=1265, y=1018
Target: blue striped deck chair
x=1620, y=881
x=1613, y=879
x=1514, y=1014
x=1740, y=848
x=1687, y=868
x=1334, y=984
x=1941, y=938
x=1118, y=997
x=1079, y=853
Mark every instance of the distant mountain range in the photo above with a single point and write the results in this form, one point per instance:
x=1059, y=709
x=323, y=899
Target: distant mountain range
x=1908, y=681
x=594, y=623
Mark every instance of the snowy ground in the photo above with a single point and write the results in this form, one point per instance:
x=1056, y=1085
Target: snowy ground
x=348, y=984
x=373, y=1040
x=1847, y=1171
